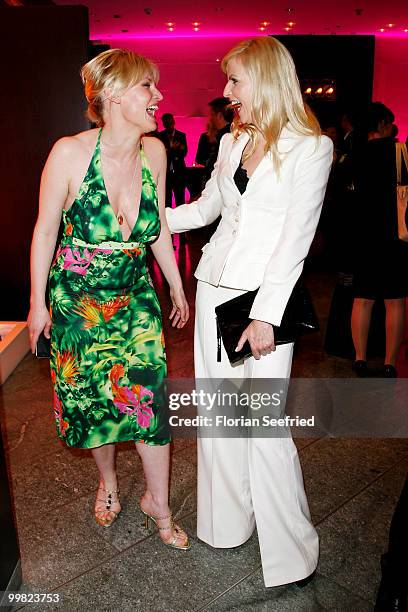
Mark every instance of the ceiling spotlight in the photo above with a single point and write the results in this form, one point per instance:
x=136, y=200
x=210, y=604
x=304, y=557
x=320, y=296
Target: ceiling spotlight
x=196, y=29
x=171, y=29
x=170, y=24
x=289, y=10
x=262, y=29
x=382, y=30
x=287, y=29
x=291, y=24
x=308, y=90
x=319, y=90
x=329, y=90
x=195, y=23
x=218, y=59
x=390, y=25
x=406, y=30
x=265, y=23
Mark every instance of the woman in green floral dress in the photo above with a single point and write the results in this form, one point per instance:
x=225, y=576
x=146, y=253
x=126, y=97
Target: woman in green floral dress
x=108, y=360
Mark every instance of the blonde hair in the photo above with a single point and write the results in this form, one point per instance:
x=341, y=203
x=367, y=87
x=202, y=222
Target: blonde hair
x=116, y=70
x=277, y=98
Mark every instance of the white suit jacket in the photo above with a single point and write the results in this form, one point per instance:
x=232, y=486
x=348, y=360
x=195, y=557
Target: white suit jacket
x=264, y=234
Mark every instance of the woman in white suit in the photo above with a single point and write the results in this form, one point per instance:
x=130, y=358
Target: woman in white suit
x=268, y=186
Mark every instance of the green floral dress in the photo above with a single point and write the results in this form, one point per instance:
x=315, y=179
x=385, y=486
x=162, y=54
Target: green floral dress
x=108, y=360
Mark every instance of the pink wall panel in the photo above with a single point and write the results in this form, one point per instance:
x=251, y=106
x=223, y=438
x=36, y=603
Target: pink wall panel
x=391, y=79
x=189, y=80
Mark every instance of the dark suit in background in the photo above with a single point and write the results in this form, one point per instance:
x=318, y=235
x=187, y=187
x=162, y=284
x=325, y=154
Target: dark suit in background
x=176, y=149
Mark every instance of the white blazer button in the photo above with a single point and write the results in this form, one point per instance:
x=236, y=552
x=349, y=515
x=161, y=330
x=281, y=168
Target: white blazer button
x=234, y=232
x=236, y=219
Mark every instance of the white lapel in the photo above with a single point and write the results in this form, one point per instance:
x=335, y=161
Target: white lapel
x=236, y=151
x=285, y=145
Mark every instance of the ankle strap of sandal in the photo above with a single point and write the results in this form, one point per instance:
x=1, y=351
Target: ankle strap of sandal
x=110, y=491
x=163, y=518
x=108, y=500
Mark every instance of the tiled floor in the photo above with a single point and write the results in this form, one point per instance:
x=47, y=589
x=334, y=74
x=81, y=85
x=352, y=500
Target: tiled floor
x=352, y=486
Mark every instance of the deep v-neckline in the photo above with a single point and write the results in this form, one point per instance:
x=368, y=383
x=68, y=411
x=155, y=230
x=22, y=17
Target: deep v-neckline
x=142, y=159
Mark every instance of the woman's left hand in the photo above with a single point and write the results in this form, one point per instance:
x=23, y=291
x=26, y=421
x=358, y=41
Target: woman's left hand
x=180, y=312
x=260, y=337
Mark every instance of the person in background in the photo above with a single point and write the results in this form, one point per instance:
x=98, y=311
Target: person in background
x=320, y=247
x=347, y=127
x=343, y=200
x=332, y=132
x=381, y=258
x=207, y=145
x=176, y=149
x=220, y=118
x=338, y=214
x=394, y=132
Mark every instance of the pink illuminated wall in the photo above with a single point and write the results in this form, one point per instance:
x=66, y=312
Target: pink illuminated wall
x=191, y=77
x=391, y=79
x=188, y=80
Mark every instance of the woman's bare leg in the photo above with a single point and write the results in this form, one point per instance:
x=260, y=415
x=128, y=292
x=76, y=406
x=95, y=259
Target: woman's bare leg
x=394, y=328
x=105, y=460
x=155, y=501
x=360, y=326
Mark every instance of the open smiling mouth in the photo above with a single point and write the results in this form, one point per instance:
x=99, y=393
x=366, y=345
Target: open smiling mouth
x=235, y=105
x=151, y=110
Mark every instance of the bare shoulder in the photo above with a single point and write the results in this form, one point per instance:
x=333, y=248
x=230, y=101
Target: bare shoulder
x=154, y=148
x=73, y=148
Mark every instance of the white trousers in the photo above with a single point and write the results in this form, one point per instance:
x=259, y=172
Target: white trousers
x=243, y=482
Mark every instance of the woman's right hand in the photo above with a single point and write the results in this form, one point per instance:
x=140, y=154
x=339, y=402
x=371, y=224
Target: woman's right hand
x=180, y=312
x=38, y=320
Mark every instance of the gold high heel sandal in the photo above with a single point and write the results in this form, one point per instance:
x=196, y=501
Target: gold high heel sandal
x=172, y=525
x=107, y=521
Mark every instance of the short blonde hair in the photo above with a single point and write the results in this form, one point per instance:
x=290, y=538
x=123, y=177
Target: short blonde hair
x=277, y=98
x=116, y=69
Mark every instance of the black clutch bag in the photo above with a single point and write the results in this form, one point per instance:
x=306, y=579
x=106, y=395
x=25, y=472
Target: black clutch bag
x=233, y=317
x=43, y=347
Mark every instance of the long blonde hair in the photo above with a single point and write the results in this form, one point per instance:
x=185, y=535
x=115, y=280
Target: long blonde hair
x=277, y=98
x=116, y=69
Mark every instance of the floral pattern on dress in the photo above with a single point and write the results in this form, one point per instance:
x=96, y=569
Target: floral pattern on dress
x=108, y=361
